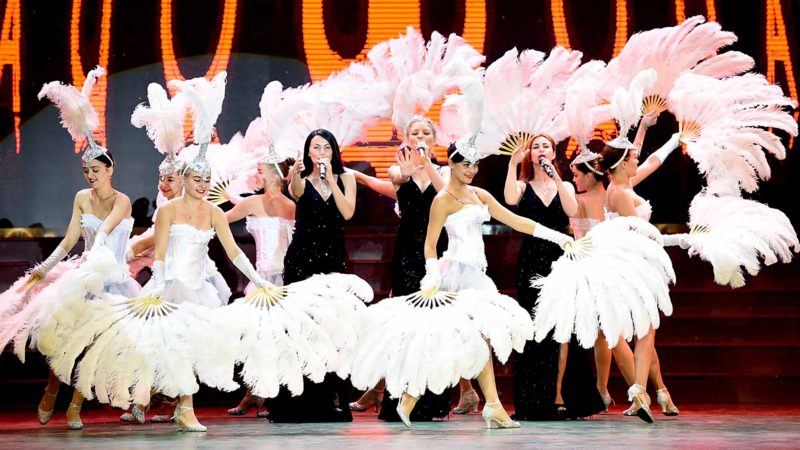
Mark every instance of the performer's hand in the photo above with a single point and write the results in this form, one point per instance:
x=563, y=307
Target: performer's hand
x=298, y=166
x=649, y=119
x=433, y=276
x=518, y=155
x=406, y=163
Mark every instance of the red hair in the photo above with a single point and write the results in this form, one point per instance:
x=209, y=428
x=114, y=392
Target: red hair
x=526, y=171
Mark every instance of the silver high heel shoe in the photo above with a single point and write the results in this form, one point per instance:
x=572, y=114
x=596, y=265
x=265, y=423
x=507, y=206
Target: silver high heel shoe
x=667, y=407
x=136, y=415
x=404, y=417
x=469, y=400
x=45, y=416
x=195, y=427
x=607, y=400
x=76, y=425
x=370, y=398
x=640, y=403
x=492, y=421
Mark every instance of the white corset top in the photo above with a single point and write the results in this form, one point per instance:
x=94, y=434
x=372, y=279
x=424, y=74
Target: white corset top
x=272, y=236
x=581, y=225
x=187, y=254
x=643, y=211
x=116, y=241
x=465, y=237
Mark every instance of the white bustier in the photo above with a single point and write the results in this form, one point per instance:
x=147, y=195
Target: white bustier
x=116, y=241
x=272, y=236
x=187, y=254
x=465, y=236
x=643, y=211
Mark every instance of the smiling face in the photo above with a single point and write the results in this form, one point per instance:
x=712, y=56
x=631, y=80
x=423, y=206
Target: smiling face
x=463, y=171
x=196, y=185
x=269, y=177
x=319, y=148
x=97, y=174
x=421, y=131
x=170, y=185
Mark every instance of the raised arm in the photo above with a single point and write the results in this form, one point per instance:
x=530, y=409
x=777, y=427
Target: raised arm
x=242, y=209
x=297, y=185
x=345, y=201
x=654, y=161
x=405, y=167
x=514, y=188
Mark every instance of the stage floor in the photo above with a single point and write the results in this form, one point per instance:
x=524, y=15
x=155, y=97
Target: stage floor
x=697, y=427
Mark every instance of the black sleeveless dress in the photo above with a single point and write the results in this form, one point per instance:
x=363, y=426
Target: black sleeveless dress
x=536, y=368
x=408, y=268
x=317, y=247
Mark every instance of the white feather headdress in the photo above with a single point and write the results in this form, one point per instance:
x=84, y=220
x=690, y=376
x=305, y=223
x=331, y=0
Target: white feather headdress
x=726, y=127
x=204, y=99
x=583, y=110
x=163, y=120
x=462, y=115
x=626, y=107
x=76, y=111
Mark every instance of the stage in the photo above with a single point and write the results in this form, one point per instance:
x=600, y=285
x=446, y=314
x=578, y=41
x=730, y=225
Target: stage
x=697, y=427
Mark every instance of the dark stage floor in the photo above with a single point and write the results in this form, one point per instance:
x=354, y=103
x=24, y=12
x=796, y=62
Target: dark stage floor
x=697, y=427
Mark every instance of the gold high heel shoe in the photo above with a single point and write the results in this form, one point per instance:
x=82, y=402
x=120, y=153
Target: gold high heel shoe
x=468, y=400
x=667, y=407
x=492, y=421
x=45, y=416
x=75, y=425
x=182, y=426
x=640, y=403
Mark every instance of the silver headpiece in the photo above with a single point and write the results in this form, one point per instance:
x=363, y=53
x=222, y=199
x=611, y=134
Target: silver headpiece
x=621, y=142
x=93, y=151
x=171, y=164
x=199, y=164
x=585, y=157
x=468, y=148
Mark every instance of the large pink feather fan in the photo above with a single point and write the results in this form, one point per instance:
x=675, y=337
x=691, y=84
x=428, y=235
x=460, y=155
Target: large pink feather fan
x=525, y=95
x=76, y=111
x=626, y=104
x=726, y=124
x=463, y=113
x=734, y=234
x=583, y=108
x=163, y=119
x=692, y=45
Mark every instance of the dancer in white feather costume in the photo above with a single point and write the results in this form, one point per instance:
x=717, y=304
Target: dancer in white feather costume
x=432, y=339
x=103, y=216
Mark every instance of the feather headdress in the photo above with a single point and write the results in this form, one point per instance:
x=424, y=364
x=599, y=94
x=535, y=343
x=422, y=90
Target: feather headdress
x=725, y=125
x=204, y=99
x=626, y=107
x=462, y=115
x=163, y=120
x=76, y=111
x=583, y=110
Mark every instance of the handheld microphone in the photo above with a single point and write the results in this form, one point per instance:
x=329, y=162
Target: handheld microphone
x=322, y=171
x=421, y=147
x=548, y=169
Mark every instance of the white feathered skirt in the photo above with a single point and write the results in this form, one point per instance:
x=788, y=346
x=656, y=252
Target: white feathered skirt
x=616, y=284
x=417, y=343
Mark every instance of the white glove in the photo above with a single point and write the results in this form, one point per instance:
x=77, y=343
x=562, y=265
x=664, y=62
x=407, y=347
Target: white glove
x=100, y=240
x=243, y=264
x=671, y=240
x=129, y=255
x=668, y=147
x=45, y=266
x=433, y=275
x=158, y=279
x=548, y=234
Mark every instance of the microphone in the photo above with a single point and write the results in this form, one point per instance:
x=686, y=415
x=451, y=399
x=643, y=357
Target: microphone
x=548, y=169
x=421, y=147
x=322, y=171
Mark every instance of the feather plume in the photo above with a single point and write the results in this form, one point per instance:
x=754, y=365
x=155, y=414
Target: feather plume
x=204, y=99
x=163, y=119
x=626, y=104
x=76, y=111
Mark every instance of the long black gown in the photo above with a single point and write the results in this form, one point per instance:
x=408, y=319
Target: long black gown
x=317, y=247
x=408, y=268
x=536, y=368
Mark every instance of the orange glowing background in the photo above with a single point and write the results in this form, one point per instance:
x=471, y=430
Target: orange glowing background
x=385, y=19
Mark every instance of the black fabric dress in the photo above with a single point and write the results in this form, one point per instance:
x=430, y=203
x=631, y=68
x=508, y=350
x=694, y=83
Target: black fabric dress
x=536, y=368
x=317, y=247
x=408, y=268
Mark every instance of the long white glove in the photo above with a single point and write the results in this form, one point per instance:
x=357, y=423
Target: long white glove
x=129, y=255
x=433, y=275
x=671, y=240
x=158, y=279
x=243, y=264
x=45, y=266
x=100, y=239
x=548, y=234
x=668, y=147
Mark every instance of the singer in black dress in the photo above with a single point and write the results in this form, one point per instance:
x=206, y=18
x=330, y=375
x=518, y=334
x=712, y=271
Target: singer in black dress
x=325, y=199
x=551, y=381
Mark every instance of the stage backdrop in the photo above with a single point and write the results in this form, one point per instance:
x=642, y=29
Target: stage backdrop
x=295, y=42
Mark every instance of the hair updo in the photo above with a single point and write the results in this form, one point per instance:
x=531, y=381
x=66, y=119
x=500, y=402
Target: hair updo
x=610, y=156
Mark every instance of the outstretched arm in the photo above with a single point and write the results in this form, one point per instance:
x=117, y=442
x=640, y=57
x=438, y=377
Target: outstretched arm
x=383, y=187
